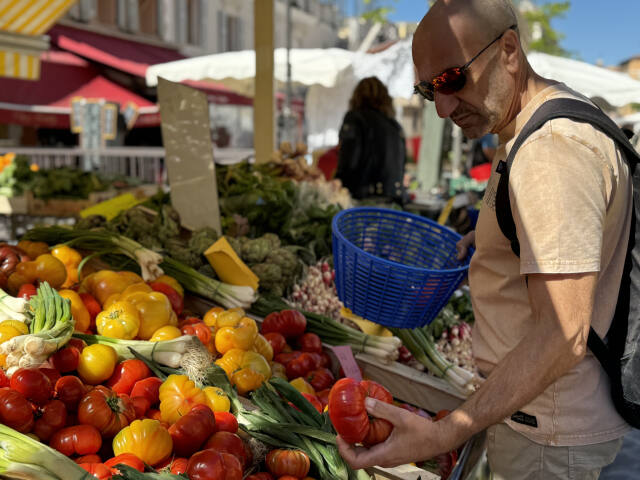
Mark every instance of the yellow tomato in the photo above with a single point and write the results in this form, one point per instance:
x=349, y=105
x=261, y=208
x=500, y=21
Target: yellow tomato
x=120, y=320
x=178, y=395
x=263, y=347
x=97, y=363
x=172, y=282
x=210, y=318
x=217, y=399
x=302, y=386
x=240, y=334
x=168, y=332
x=147, y=439
x=79, y=311
x=155, y=311
x=21, y=327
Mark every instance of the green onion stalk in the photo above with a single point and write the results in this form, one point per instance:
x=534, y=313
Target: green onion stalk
x=23, y=457
x=335, y=333
x=421, y=344
x=151, y=264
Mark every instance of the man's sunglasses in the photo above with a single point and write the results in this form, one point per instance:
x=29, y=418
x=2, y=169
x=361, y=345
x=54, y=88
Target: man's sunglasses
x=453, y=79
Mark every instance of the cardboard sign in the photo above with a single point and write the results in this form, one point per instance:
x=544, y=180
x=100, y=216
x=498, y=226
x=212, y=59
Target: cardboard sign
x=112, y=207
x=186, y=134
x=344, y=354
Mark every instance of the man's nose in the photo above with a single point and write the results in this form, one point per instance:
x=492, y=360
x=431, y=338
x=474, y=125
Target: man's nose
x=445, y=104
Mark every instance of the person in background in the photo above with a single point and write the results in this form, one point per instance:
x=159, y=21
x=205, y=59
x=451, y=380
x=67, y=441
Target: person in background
x=372, y=145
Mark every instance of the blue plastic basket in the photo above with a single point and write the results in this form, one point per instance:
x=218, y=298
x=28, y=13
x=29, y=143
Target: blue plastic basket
x=395, y=268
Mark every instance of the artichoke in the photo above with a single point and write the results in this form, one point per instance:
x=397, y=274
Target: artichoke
x=255, y=251
x=285, y=259
x=273, y=239
x=270, y=276
x=235, y=244
x=202, y=239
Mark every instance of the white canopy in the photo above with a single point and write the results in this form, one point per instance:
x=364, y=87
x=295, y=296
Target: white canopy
x=618, y=89
x=313, y=66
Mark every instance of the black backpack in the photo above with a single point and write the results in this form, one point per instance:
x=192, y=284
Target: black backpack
x=620, y=355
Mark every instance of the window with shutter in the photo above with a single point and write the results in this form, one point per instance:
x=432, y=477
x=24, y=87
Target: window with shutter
x=107, y=12
x=148, y=16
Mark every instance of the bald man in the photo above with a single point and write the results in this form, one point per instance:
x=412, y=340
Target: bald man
x=546, y=400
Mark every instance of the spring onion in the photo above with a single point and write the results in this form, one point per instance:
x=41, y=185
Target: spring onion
x=23, y=457
x=51, y=327
x=12, y=308
x=335, y=333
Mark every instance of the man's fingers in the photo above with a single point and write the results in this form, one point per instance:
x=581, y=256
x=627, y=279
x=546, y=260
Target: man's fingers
x=356, y=457
x=383, y=410
x=462, y=251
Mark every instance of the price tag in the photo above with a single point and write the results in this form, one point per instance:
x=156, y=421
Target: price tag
x=344, y=354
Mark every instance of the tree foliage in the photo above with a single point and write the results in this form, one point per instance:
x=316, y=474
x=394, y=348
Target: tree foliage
x=549, y=39
x=377, y=14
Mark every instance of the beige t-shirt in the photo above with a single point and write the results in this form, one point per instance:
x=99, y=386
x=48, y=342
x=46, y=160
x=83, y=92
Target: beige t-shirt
x=571, y=200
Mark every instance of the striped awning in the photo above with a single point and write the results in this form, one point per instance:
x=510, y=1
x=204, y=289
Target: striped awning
x=22, y=26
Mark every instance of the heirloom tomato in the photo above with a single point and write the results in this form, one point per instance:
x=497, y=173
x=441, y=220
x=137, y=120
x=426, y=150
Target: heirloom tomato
x=192, y=430
x=128, y=459
x=288, y=462
x=289, y=323
x=178, y=395
x=97, y=363
x=33, y=384
x=146, y=439
x=79, y=311
x=310, y=342
x=97, y=470
x=70, y=390
x=246, y=370
x=119, y=320
x=277, y=341
x=15, y=410
x=148, y=388
x=126, y=374
x=141, y=405
x=211, y=465
x=66, y=359
x=226, y=422
x=77, y=440
x=229, y=443
x=349, y=415
x=53, y=417
x=176, y=300
x=321, y=379
x=313, y=400
x=106, y=410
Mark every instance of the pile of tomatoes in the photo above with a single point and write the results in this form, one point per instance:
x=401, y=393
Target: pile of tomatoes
x=306, y=367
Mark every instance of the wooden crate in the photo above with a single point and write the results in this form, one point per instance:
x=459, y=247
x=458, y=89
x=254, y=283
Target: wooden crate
x=13, y=205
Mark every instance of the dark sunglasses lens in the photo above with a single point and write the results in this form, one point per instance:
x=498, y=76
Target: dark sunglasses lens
x=425, y=90
x=451, y=81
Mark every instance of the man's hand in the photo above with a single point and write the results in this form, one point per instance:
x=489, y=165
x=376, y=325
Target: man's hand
x=469, y=240
x=413, y=439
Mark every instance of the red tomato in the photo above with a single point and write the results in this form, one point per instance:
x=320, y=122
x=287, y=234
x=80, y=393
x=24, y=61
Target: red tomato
x=260, y=476
x=200, y=330
x=140, y=405
x=277, y=341
x=33, y=384
x=289, y=323
x=446, y=462
x=441, y=414
x=177, y=302
x=154, y=414
x=52, y=374
x=313, y=400
x=226, y=422
x=66, y=359
x=323, y=396
x=126, y=374
x=310, y=342
x=288, y=462
x=98, y=470
x=300, y=367
x=192, y=430
x=211, y=465
x=15, y=410
x=179, y=466
x=106, y=411
x=93, y=458
x=286, y=357
x=27, y=291
x=228, y=443
x=321, y=379
x=77, y=440
x=93, y=307
x=4, y=380
x=149, y=388
x=348, y=413
x=70, y=390
x=128, y=459
x=77, y=344
x=53, y=417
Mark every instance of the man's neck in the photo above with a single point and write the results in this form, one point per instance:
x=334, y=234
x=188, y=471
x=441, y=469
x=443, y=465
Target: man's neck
x=529, y=85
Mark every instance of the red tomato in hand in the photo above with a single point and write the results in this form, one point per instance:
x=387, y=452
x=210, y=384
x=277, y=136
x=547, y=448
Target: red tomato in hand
x=229, y=443
x=27, y=291
x=15, y=410
x=313, y=400
x=106, y=410
x=149, y=388
x=77, y=440
x=126, y=374
x=33, y=384
x=300, y=367
x=98, y=470
x=211, y=465
x=321, y=379
x=53, y=417
x=128, y=459
x=288, y=462
x=289, y=323
x=310, y=342
x=66, y=359
x=277, y=341
x=192, y=430
x=70, y=390
x=226, y=422
x=348, y=413
x=177, y=302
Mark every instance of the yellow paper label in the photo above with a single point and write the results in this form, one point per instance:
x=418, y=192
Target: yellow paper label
x=228, y=266
x=112, y=207
x=366, y=326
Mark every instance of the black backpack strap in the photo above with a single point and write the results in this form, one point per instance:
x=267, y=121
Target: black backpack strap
x=559, y=108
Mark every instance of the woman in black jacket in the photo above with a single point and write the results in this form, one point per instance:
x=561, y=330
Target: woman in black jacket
x=372, y=145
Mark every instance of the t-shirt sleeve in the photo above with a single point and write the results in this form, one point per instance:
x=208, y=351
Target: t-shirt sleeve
x=559, y=196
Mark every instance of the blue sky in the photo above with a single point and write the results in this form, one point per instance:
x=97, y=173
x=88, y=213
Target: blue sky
x=607, y=30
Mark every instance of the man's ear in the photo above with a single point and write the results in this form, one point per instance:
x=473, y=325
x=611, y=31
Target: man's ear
x=511, y=49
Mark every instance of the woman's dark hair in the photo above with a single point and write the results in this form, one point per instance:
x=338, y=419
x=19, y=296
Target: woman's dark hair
x=372, y=93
